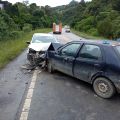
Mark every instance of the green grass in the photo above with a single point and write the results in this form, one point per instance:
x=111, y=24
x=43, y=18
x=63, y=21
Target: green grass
x=12, y=48
x=87, y=36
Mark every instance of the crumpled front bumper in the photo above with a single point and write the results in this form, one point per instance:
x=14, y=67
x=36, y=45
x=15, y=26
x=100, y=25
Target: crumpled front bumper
x=35, y=59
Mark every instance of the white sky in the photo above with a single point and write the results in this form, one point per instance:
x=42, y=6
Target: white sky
x=51, y=3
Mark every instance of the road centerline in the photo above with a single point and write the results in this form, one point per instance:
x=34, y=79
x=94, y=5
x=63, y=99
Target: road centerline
x=28, y=99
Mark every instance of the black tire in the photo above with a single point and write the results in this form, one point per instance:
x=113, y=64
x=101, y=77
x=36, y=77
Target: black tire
x=50, y=67
x=104, y=87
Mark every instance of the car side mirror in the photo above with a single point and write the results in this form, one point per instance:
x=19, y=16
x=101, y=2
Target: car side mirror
x=28, y=42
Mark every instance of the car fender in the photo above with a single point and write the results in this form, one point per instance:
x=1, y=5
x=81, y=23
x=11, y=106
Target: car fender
x=96, y=75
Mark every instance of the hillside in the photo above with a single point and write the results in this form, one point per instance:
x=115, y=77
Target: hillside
x=98, y=17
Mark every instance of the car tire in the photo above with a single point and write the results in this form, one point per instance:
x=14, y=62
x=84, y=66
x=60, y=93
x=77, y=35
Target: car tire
x=50, y=67
x=104, y=87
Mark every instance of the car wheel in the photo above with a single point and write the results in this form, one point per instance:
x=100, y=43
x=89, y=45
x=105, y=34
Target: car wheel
x=50, y=67
x=103, y=87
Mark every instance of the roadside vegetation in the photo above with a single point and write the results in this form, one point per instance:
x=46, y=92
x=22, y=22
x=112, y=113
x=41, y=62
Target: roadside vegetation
x=87, y=35
x=96, y=18
x=9, y=49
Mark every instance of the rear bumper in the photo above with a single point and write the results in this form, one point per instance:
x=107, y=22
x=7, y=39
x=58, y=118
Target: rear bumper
x=57, y=32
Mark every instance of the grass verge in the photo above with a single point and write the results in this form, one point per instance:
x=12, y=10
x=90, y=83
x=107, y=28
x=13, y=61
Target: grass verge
x=11, y=48
x=87, y=36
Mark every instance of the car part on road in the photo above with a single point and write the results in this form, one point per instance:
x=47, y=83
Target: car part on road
x=103, y=87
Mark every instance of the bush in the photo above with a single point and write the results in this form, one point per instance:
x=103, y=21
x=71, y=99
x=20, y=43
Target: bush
x=105, y=28
x=27, y=28
x=93, y=31
x=4, y=33
x=85, y=24
x=16, y=34
x=116, y=27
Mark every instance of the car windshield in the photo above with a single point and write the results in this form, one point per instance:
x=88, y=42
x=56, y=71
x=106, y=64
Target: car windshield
x=43, y=39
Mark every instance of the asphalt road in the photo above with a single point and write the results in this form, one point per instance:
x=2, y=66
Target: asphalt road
x=38, y=95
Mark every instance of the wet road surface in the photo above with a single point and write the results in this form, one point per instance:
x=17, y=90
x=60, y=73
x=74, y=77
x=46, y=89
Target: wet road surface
x=50, y=96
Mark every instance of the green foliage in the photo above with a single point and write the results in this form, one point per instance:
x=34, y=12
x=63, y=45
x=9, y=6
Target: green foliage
x=116, y=27
x=20, y=17
x=16, y=34
x=93, y=32
x=116, y=5
x=86, y=24
x=105, y=28
x=27, y=28
x=98, y=17
x=3, y=29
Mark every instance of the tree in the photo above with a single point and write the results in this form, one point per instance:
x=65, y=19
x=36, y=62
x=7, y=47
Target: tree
x=105, y=28
x=116, y=5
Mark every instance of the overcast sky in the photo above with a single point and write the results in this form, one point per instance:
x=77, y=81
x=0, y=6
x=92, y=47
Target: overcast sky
x=51, y=3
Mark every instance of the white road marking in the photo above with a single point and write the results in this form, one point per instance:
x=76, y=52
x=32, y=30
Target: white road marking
x=27, y=103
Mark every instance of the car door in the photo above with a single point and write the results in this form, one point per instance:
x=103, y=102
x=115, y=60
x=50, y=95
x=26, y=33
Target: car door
x=63, y=61
x=88, y=62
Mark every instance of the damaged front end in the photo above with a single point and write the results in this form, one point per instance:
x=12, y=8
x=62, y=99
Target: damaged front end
x=36, y=58
x=39, y=58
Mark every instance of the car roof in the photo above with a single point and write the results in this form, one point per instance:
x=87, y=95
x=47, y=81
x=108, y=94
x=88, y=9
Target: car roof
x=100, y=42
x=42, y=34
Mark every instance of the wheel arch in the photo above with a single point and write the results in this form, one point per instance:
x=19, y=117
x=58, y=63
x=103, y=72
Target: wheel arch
x=98, y=75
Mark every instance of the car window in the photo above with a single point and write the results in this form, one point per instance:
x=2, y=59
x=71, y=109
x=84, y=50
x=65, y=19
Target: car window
x=90, y=52
x=70, y=50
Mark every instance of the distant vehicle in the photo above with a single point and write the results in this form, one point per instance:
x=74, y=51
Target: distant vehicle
x=96, y=62
x=38, y=46
x=67, y=28
x=57, y=29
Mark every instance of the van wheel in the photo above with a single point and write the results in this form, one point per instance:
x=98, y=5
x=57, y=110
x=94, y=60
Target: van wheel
x=104, y=87
x=50, y=67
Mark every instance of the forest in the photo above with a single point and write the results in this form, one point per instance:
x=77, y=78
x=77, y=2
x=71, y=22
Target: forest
x=20, y=18
x=97, y=18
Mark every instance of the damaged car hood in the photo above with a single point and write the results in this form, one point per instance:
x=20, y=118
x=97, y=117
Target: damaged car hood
x=39, y=46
